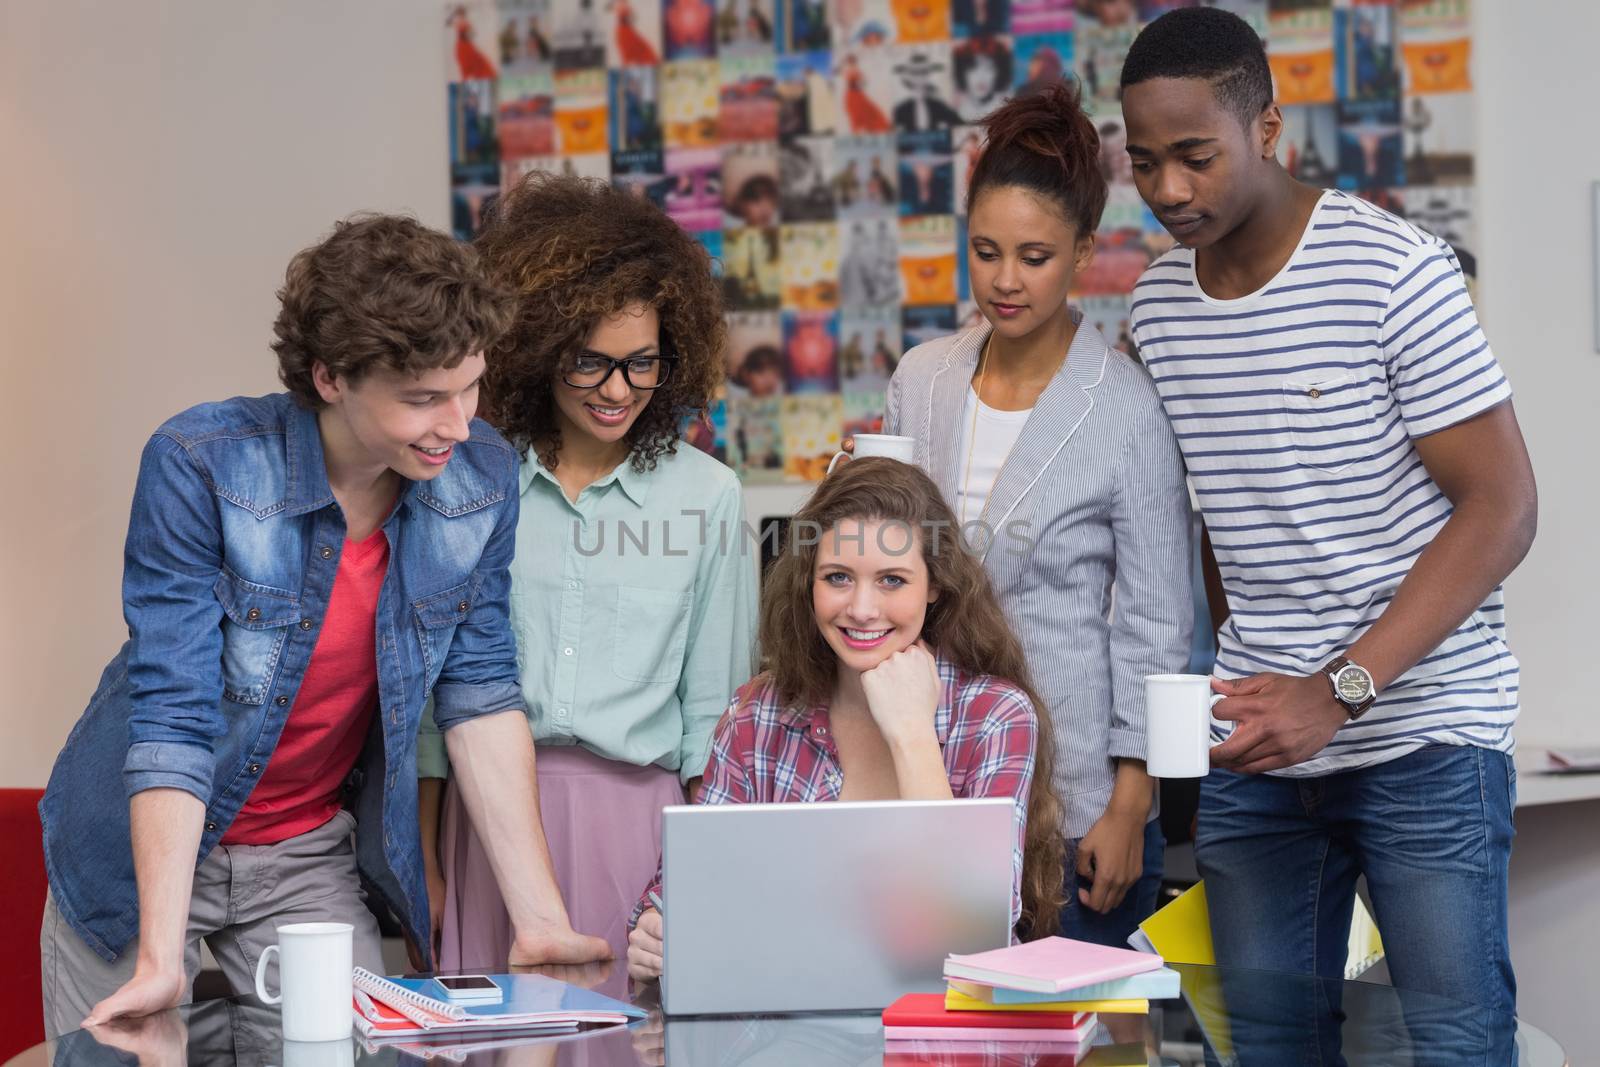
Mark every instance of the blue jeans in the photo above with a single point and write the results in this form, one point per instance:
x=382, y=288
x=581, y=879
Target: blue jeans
x=1432, y=833
x=1114, y=927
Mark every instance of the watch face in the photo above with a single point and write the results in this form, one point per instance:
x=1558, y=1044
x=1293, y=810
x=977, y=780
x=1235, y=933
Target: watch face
x=1354, y=684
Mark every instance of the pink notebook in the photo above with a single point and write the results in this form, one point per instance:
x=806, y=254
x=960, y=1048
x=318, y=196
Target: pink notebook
x=1050, y=965
x=943, y=1035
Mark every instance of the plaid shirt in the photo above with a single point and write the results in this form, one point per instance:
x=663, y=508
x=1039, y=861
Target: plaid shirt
x=768, y=752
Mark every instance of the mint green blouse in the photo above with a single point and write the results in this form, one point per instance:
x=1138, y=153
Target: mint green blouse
x=634, y=610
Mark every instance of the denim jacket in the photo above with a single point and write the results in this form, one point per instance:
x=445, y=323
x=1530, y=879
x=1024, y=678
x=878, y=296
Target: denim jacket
x=232, y=550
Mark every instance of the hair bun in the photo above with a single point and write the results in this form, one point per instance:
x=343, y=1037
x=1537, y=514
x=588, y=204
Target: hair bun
x=1042, y=140
x=1047, y=121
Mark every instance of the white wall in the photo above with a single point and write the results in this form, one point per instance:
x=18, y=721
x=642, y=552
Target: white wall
x=162, y=161
x=1537, y=88
x=1537, y=157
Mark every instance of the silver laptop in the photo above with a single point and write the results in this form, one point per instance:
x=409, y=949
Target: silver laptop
x=818, y=907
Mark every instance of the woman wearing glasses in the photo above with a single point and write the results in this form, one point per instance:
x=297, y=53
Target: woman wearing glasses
x=632, y=589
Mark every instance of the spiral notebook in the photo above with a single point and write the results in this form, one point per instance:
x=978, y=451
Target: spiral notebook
x=404, y=1007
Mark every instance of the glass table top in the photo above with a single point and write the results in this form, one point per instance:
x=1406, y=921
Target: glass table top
x=1225, y=1017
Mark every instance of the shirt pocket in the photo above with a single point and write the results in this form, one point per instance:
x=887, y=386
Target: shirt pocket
x=1330, y=421
x=255, y=625
x=650, y=634
x=437, y=617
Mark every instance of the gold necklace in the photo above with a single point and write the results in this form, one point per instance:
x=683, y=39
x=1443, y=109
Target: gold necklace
x=972, y=436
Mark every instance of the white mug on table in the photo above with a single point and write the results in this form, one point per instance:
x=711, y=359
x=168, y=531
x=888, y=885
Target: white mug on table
x=316, y=963
x=878, y=444
x=1178, y=725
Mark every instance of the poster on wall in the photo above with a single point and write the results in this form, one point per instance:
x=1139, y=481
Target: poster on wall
x=821, y=151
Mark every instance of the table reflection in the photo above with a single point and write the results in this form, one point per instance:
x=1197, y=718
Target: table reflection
x=1224, y=1019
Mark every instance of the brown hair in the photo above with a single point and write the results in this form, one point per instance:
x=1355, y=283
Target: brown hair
x=383, y=290
x=576, y=250
x=1043, y=142
x=964, y=625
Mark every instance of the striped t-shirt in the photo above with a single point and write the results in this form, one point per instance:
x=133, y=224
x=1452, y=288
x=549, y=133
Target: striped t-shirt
x=1296, y=408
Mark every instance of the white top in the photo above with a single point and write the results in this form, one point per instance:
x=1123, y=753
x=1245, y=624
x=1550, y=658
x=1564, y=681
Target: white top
x=997, y=432
x=1298, y=408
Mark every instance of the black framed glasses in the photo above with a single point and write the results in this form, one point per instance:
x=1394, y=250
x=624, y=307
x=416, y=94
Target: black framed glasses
x=588, y=370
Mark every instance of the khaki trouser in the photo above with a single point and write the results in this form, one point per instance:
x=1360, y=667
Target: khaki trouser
x=241, y=895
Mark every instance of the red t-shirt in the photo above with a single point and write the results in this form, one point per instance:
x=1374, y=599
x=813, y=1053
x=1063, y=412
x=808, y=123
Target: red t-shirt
x=300, y=786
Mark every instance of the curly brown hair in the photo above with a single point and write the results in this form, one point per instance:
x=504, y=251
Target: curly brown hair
x=965, y=625
x=577, y=250
x=383, y=290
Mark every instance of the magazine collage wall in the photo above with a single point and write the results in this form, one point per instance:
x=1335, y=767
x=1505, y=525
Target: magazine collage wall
x=819, y=149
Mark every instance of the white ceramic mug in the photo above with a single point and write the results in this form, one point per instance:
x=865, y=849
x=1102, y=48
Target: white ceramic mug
x=1178, y=725
x=315, y=966
x=878, y=444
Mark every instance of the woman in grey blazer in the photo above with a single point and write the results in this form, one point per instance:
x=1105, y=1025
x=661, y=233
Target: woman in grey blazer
x=1054, y=451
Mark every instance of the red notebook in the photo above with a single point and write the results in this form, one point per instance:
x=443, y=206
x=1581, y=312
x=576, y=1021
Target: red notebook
x=927, y=1009
x=923, y=1054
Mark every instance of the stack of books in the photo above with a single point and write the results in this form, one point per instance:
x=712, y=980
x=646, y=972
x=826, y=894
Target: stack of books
x=1044, y=996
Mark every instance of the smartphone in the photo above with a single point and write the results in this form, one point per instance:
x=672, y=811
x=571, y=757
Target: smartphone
x=470, y=988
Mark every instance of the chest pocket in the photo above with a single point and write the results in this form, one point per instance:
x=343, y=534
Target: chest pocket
x=651, y=633
x=437, y=617
x=255, y=625
x=1330, y=421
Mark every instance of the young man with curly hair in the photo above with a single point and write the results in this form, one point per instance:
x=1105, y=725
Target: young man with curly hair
x=633, y=586
x=302, y=569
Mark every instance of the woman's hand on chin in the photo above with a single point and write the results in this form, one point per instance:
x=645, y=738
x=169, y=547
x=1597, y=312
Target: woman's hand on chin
x=903, y=693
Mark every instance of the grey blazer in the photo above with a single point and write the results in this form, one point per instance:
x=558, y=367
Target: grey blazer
x=1092, y=495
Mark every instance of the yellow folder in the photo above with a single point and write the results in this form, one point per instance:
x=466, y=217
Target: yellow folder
x=1181, y=933
x=956, y=1000
x=1127, y=1055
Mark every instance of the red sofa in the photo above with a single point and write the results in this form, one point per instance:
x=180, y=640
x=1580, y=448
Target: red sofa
x=22, y=892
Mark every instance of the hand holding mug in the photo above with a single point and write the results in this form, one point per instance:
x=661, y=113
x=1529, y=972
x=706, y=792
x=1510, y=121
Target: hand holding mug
x=862, y=445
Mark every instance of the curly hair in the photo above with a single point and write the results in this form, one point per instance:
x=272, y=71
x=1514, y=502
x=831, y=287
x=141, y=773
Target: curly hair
x=383, y=290
x=576, y=250
x=964, y=625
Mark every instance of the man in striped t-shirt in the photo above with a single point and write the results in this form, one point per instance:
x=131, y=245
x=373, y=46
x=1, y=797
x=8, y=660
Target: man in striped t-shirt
x=1366, y=490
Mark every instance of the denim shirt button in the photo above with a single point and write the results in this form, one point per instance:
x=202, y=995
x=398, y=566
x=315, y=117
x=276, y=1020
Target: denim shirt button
x=281, y=701
x=463, y=606
x=255, y=768
x=306, y=624
x=252, y=615
x=211, y=827
x=327, y=553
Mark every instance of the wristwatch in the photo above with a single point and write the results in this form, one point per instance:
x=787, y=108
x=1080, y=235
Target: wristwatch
x=1352, y=686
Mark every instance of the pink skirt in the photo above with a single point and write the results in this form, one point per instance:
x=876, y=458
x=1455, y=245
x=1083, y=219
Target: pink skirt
x=602, y=820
